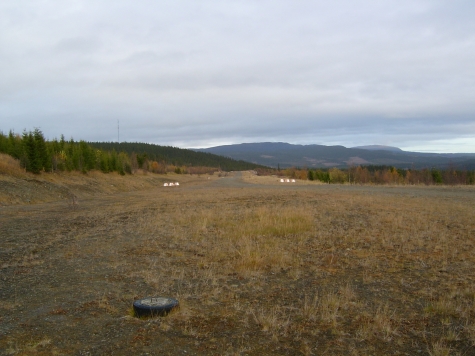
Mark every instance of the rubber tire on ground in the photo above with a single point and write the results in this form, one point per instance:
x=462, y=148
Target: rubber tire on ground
x=154, y=306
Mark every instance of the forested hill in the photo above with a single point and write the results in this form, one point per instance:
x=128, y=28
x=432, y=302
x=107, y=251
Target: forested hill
x=284, y=155
x=176, y=156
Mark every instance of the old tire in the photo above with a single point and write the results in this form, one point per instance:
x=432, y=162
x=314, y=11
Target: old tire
x=154, y=306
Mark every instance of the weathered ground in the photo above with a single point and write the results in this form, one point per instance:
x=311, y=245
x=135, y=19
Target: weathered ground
x=259, y=267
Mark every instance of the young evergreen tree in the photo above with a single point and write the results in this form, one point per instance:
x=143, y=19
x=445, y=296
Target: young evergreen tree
x=436, y=176
x=3, y=143
x=42, y=154
x=87, y=156
x=14, y=146
x=30, y=157
x=310, y=175
x=62, y=143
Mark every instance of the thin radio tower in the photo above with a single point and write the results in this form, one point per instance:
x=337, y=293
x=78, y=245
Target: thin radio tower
x=118, y=140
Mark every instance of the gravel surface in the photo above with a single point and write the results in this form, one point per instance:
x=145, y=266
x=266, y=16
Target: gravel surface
x=69, y=274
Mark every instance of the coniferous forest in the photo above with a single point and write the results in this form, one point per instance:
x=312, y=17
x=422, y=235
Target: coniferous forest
x=36, y=154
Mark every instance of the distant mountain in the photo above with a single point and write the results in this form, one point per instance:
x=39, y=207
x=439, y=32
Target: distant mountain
x=283, y=154
x=379, y=148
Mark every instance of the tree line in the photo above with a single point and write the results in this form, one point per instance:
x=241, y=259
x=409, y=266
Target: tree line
x=36, y=154
x=384, y=175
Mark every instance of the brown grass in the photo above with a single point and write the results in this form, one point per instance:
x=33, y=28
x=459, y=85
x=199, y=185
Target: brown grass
x=10, y=166
x=315, y=269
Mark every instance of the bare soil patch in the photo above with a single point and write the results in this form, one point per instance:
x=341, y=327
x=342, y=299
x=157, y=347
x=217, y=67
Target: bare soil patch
x=259, y=268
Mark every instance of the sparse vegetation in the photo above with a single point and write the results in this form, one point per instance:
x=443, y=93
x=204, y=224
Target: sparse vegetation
x=259, y=269
x=10, y=166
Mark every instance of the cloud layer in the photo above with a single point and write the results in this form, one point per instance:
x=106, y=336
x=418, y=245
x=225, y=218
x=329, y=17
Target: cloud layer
x=203, y=73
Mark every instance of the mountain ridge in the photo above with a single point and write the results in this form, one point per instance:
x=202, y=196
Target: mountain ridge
x=379, y=148
x=282, y=154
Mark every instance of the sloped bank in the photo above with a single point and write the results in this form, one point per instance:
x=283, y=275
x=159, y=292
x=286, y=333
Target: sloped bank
x=50, y=187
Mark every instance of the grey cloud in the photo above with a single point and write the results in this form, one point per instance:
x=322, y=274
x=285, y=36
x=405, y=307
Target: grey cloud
x=188, y=72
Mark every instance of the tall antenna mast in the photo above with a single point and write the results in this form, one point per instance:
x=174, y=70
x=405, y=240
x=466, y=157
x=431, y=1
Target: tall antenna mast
x=118, y=140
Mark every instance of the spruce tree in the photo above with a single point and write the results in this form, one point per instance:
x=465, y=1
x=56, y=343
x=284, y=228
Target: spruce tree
x=30, y=157
x=42, y=154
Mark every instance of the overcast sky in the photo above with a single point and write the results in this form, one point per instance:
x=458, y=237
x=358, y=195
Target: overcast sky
x=204, y=73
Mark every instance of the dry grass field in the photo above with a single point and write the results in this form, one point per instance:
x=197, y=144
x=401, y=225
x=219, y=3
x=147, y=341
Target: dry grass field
x=259, y=268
